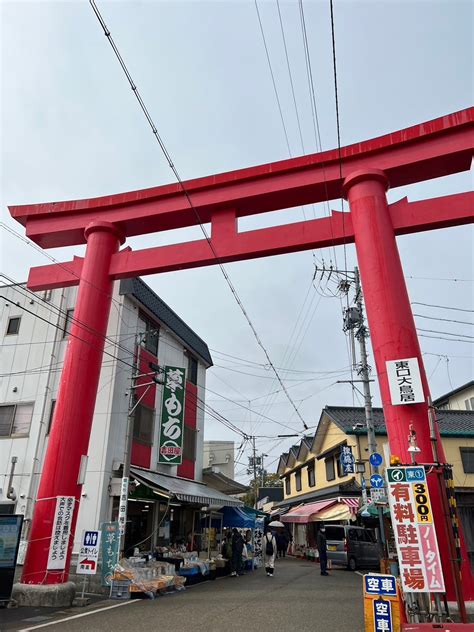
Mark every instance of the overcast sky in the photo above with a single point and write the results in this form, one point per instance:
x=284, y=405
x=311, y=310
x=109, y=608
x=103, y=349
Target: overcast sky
x=71, y=128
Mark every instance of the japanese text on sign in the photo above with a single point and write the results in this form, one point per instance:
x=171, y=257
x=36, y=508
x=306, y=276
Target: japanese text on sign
x=110, y=550
x=347, y=459
x=382, y=615
x=405, y=381
x=88, y=553
x=58, y=547
x=415, y=536
x=122, y=515
x=172, y=416
x=377, y=584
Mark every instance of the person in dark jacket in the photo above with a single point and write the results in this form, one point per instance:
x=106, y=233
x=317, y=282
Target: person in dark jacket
x=282, y=543
x=236, y=564
x=322, y=549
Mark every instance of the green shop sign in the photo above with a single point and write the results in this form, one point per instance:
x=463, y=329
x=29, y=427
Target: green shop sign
x=172, y=416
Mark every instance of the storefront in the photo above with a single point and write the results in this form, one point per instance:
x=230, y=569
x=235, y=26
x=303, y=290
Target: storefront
x=167, y=511
x=303, y=519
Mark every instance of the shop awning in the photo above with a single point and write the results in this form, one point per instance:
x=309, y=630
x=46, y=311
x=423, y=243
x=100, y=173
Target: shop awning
x=335, y=513
x=352, y=503
x=306, y=513
x=184, y=489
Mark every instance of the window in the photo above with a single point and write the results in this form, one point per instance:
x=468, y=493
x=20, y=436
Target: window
x=151, y=331
x=143, y=424
x=298, y=480
x=340, y=469
x=68, y=322
x=467, y=457
x=330, y=473
x=13, y=326
x=189, y=443
x=15, y=420
x=51, y=413
x=192, y=369
x=287, y=485
x=334, y=533
x=311, y=475
x=467, y=404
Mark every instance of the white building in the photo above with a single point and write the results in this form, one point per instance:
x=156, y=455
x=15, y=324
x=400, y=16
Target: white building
x=220, y=455
x=33, y=332
x=461, y=398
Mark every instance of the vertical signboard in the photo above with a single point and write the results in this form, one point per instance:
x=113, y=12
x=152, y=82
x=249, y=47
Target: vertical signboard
x=347, y=460
x=89, y=553
x=404, y=381
x=122, y=515
x=414, y=530
x=10, y=532
x=110, y=550
x=172, y=416
x=61, y=530
x=381, y=603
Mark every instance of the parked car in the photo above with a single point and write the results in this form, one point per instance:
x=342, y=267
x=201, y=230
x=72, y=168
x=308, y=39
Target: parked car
x=353, y=547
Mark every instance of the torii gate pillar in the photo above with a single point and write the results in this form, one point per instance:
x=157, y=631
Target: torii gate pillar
x=393, y=332
x=73, y=414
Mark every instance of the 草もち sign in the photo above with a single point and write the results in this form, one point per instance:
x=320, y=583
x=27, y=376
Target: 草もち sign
x=172, y=416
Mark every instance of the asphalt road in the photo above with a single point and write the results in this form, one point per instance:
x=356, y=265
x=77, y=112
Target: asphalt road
x=296, y=598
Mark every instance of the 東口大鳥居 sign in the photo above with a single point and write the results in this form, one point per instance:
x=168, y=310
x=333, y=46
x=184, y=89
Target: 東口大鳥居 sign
x=172, y=416
x=404, y=380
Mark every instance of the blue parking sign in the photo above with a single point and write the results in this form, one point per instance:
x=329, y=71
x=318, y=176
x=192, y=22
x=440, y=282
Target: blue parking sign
x=384, y=585
x=382, y=615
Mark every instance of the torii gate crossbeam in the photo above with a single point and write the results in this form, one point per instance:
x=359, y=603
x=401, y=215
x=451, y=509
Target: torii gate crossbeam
x=433, y=149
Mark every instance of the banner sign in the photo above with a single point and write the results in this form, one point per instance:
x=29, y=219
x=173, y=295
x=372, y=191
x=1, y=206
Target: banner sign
x=89, y=553
x=381, y=603
x=61, y=530
x=404, y=381
x=172, y=416
x=110, y=550
x=414, y=530
x=122, y=515
x=347, y=460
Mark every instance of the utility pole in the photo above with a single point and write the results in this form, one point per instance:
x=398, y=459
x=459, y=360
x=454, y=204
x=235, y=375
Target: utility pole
x=355, y=320
x=129, y=432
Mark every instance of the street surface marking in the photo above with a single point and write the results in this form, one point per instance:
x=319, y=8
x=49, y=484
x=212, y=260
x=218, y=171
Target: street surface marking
x=359, y=573
x=78, y=616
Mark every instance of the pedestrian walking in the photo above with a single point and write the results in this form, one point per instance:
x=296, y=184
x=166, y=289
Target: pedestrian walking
x=236, y=565
x=322, y=549
x=282, y=544
x=270, y=549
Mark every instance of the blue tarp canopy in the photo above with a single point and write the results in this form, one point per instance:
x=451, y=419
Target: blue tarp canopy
x=239, y=517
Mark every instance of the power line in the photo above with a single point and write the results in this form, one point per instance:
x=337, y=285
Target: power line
x=448, y=333
x=446, y=320
x=188, y=198
x=457, y=309
x=272, y=76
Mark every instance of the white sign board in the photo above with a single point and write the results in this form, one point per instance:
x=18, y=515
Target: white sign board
x=414, y=530
x=378, y=495
x=404, y=381
x=60, y=536
x=122, y=515
x=89, y=553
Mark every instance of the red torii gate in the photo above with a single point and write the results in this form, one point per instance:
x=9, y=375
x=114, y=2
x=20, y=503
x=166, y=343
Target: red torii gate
x=361, y=172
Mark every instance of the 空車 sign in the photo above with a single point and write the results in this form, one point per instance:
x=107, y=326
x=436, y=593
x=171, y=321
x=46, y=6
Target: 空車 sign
x=414, y=530
x=172, y=416
x=404, y=381
x=58, y=546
